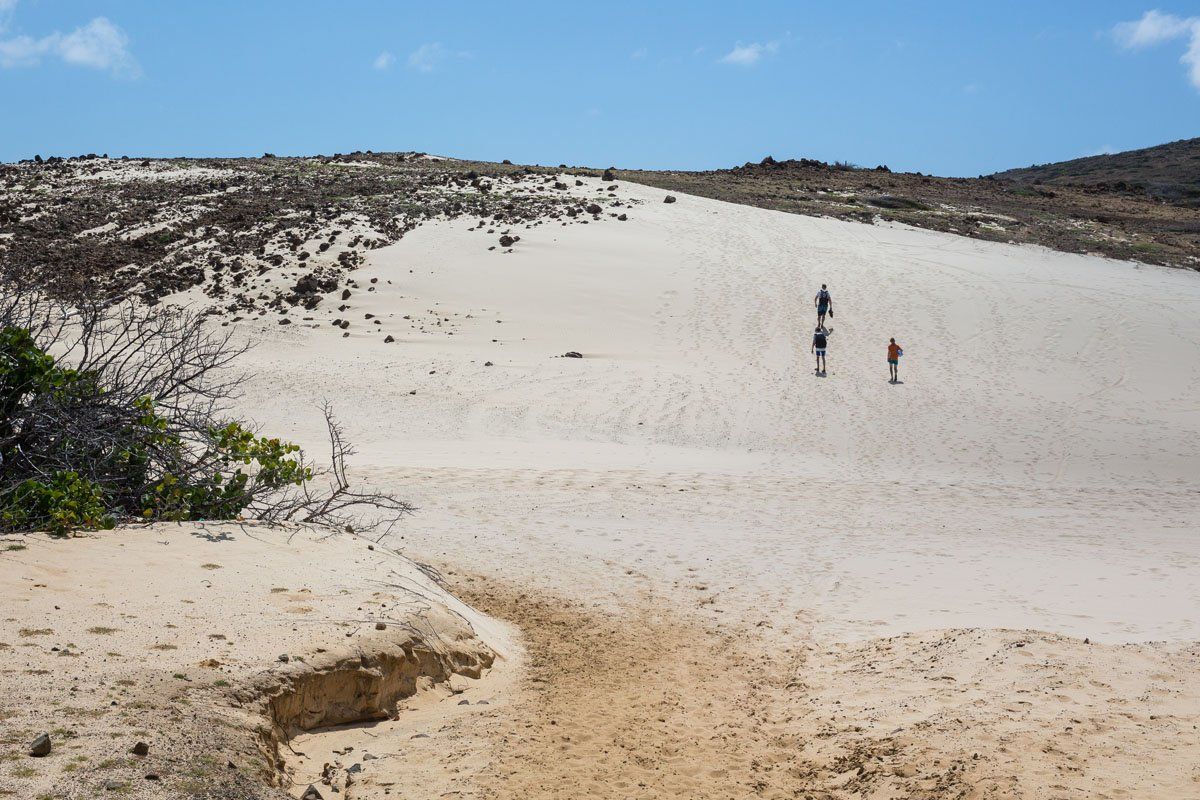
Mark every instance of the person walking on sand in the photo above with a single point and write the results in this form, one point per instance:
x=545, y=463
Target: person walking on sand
x=824, y=304
x=819, y=343
x=893, y=359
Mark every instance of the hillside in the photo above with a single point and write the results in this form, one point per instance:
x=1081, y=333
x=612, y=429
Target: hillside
x=1116, y=222
x=1170, y=172
x=236, y=226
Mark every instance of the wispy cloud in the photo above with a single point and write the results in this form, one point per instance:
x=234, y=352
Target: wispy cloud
x=1155, y=28
x=97, y=45
x=384, y=60
x=6, y=11
x=747, y=55
x=431, y=55
x=639, y=54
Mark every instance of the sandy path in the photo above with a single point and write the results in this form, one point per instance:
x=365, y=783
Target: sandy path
x=1035, y=470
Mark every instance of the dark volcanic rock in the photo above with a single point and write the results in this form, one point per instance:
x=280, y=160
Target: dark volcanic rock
x=41, y=746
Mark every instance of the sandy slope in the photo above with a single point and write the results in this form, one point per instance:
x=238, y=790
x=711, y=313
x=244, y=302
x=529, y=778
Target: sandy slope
x=213, y=644
x=704, y=543
x=1036, y=467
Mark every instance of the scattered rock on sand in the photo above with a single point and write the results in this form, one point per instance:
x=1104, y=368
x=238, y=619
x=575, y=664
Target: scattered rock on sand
x=669, y=198
x=572, y=354
x=389, y=339
x=594, y=209
x=284, y=658
x=140, y=749
x=622, y=217
x=507, y=241
x=41, y=746
x=312, y=793
x=381, y=626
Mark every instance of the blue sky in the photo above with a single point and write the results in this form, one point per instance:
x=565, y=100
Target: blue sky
x=951, y=88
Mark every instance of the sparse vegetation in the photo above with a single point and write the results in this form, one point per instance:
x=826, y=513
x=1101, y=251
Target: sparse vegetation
x=126, y=421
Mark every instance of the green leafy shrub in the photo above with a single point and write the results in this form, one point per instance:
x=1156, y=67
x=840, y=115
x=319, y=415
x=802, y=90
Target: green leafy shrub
x=60, y=504
x=174, y=472
x=116, y=412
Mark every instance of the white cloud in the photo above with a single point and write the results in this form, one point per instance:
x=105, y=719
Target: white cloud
x=747, y=55
x=431, y=55
x=1156, y=27
x=6, y=10
x=639, y=54
x=384, y=60
x=98, y=45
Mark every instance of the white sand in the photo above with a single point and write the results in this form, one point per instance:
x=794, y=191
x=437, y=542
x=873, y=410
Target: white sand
x=1037, y=467
x=210, y=643
x=690, y=507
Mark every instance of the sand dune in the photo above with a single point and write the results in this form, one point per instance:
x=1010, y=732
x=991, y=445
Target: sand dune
x=1036, y=467
x=733, y=577
x=893, y=583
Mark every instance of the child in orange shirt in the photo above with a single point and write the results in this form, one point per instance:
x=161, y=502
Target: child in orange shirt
x=893, y=359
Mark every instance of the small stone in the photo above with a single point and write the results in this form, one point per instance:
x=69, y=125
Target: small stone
x=152, y=776
x=284, y=657
x=464, y=702
x=572, y=354
x=669, y=198
x=622, y=217
x=370, y=547
x=389, y=339
x=381, y=626
x=345, y=294
x=593, y=209
x=608, y=175
x=140, y=749
x=507, y=241
x=312, y=793
x=488, y=364
x=353, y=768
x=369, y=757
x=419, y=736
x=41, y=746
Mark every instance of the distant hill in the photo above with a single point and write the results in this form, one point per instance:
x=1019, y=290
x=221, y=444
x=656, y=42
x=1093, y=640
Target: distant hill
x=1169, y=171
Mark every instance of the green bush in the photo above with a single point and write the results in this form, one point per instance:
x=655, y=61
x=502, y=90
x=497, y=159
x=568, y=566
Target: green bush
x=141, y=460
x=60, y=504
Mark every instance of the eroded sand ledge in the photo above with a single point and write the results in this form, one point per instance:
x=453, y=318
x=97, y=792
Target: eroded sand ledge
x=214, y=644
